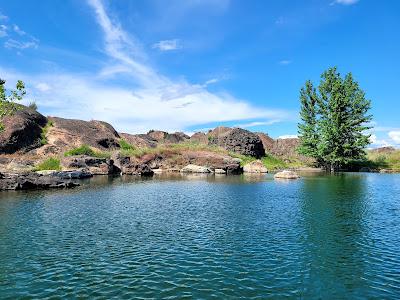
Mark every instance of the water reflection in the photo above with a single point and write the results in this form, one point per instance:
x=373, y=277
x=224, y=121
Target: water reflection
x=334, y=234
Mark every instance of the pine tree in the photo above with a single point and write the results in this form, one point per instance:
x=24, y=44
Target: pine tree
x=334, y=123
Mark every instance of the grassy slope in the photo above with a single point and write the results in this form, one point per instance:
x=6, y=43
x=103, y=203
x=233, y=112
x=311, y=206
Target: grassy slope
x=389, y=160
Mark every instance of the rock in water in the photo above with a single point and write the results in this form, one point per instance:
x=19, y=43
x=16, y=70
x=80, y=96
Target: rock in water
x=31, y=181
x=255, y=167
x=286, y=175
x=195, y=169
x=22, y=131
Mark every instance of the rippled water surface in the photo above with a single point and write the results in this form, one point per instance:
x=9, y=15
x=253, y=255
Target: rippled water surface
x=323, y=237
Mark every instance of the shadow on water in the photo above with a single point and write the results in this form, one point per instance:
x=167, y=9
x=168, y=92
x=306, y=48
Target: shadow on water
x=333, y=211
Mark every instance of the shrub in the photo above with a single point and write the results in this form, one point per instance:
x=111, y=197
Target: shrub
x=86, y=150
x=82, y=150
x=125, y=145
x=51, y=163
x=45, y=130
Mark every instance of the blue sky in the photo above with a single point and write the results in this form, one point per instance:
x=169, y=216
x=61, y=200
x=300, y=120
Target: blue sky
x=194, y=64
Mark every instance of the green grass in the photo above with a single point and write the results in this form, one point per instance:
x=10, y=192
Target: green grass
x=45, y=130
x=125, y=145
x=389, y=160
x=87, y=150
x=51, y=163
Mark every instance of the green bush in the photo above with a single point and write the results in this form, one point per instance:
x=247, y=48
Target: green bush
x=125, y=145
x=51, y=163
x=45, y=130
x=86, y=150
x=82, y=150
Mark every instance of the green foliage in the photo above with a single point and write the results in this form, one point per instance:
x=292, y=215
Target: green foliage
x=43, y=134
x=390, y=160
x=333, y=120
x=8, y=99
x=51, y=163
x=86, y=150
x=125, y=145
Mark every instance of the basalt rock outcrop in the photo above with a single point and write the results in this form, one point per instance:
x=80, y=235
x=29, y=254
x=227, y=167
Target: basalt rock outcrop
x=95, y=165
x=129, y=166
x=240, y=141
x=21, y=131
x=69, y=133
x=31, y=181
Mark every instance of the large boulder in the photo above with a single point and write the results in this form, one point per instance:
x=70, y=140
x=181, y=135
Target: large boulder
x=195, y=169
x=22, y=131
x=286, y=174
x=69, y=133
x=168, y=138
x=255, y=167
x=95, y=165
x=129, y=166
x=240, y=141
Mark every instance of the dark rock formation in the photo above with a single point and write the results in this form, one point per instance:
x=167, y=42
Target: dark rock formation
x=31, y=181
x=267, y=141
x=165, y=137
x=240, y=141
x=129, y=166
x=22, y=131
x=95, y=165
x=68, y=133
x=139, y=140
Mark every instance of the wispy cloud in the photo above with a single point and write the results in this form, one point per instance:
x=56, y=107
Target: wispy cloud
x=18, y=30
x=256, y=123
x=344, y=2
x=3, y=17
x=168, y=45
x=20, y=45
x=16, y=38
x=3, y=31
x=395, y=136
x=146, y=100
x=285, y=62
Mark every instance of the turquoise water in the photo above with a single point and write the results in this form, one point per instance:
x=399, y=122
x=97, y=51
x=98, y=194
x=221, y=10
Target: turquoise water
x=324, y=237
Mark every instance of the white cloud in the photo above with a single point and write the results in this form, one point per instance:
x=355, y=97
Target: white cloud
x=288, y=136
x=11, y=43
x=256, y=123
x=43, y=87
x=149, y=100
x=3, y=17
x=168, y=45
x=3, y=31
x=345, y=2
x=18, y=30
x=285, y=62
x=395, y=136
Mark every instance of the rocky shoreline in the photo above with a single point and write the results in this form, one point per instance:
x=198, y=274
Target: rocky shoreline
x=82, y=149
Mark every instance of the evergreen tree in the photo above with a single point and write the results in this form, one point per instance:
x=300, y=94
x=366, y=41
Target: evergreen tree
x=334, y=120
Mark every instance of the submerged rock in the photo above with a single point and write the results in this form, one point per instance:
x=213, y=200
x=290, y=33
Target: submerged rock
x=255, y=167
x=286, y=174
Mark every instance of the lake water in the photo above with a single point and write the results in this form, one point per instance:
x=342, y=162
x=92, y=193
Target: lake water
x=319, y=237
